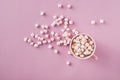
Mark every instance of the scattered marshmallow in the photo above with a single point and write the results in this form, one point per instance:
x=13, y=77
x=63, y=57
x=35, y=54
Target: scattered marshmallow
x=52, y=39
x=61, y=17
x=69, y=6
x=47, y=36
x=36, y=36
x=58, y=43
x=41, y=32
x=39, y=43
x=60, y=6
x=31, y=43
x=66, y=19
x=36, y=45
x=56, y=51
x=93, y=22
x=29, y=40
x=49, y=41
x=44, y=41
x=52, y=33
x=45, y=31
x=25, y=39
x=42, y=13
x=62, y=30
x=68, y=63
x=37, y=25
x=69, y=52
x=71, y=22
x=55, y=17
x=102, y=21
x=32, y=35
x=50, y=46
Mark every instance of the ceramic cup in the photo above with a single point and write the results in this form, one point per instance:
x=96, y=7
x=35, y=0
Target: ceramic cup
x=92, y=52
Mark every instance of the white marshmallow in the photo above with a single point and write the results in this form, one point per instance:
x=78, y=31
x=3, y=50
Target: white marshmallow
x=56, y=34
x=68, y=29
x=41, y=32
x=32, y=35
x=86, y=44
x=66, y=23
x=79, y=50
x=90, y=48
x=37, y=25
x=82, y=56
x=66, y=19
x=61, y=17
x=36, y=36
x=49, y=41
x=52, y=39
x=41, y=39
x=45, y=31
x=76, y=32
x=71, y=22
x=86, y=37
x=60, y=6
x=73, y=30
x=31, y=43
x=29, y=40
x=58, y=43
x=82, y=46
x=36, y=45
x=52, y=33
x=55, y=17
x=93, y=22
x=77, y=54
x=44, y=41
x=47, y=36
x=66, y=26
x=58, y=38
x=83, y=42
x=25, y=39
x=82, y=50
x=42, y=13
x=68, y=63
x=39, y=42
x=102, y=21
x=56, y=51
x=87, y=52
x=69, y=6
x=53, y=24
x=91, y=42
x=50, y=46
x=46, y=26
x=69, y=52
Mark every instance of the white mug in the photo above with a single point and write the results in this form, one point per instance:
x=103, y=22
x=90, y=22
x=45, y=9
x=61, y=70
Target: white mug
x=91, y=55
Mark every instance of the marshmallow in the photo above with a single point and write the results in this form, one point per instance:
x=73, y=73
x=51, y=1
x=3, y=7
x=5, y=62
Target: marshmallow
x=102, y=21
x=68, y=63
x=50, y=46
x=25, y=39
x=36, y=45
x=31, y=43
x=56, y=51
x=69, y=6
x=42, y=13
x=37, y=25
x=60, y=6
x=93, y=22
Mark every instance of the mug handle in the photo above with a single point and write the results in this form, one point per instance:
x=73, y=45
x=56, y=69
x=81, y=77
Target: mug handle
x=95, y=57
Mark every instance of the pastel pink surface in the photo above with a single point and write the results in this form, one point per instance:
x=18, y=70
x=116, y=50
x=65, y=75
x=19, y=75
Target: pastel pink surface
x=19, y=61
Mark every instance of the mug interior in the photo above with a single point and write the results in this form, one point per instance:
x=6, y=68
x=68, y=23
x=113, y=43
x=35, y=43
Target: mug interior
x=74, y=53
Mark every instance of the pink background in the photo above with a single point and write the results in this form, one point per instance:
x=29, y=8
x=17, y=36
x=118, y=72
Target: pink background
x=19, y=61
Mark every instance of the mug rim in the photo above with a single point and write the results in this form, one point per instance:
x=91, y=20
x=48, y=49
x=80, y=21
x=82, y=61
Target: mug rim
x=89, y=55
